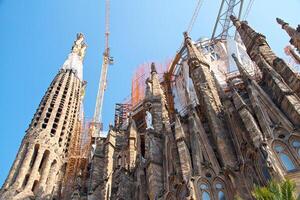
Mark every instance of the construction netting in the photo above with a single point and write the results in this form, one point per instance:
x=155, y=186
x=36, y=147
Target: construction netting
x=218, y=55
x=139, y=78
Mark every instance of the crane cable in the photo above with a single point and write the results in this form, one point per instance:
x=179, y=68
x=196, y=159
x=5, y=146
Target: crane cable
x=189, y=29
x=248, y=9
x=194, y=17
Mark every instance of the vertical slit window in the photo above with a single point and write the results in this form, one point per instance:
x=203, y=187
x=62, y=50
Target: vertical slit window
x=35, y=152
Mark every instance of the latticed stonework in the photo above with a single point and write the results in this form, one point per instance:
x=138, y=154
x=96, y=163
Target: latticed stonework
x=39, y=167
x=227, y=142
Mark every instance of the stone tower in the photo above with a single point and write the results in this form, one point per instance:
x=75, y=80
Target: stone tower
x=39, y=167
x=293, y=33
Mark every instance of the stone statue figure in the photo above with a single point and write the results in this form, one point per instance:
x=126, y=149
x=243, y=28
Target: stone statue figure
x=149, y=121
x=79, y=46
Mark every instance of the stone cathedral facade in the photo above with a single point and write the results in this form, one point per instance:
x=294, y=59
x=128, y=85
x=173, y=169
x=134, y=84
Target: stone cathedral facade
x=224, y=145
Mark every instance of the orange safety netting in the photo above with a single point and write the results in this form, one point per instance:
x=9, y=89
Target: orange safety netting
x=139, y=78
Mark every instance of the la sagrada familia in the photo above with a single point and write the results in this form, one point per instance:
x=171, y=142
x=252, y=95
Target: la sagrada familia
x=222, y=146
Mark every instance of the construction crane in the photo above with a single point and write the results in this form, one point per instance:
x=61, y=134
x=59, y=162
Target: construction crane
x=227, y=8
x=96, y=124
x=106, y=62
x=188, y=30
x=168, y=75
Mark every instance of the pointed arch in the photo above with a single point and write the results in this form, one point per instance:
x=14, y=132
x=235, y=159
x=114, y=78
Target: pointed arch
x=204, y=189
x=294, y=142
x=219, y=187
x=281, y=133
x=284, y=156
x=209, y=173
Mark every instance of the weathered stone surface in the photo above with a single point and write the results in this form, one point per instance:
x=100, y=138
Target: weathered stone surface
x=232, y=140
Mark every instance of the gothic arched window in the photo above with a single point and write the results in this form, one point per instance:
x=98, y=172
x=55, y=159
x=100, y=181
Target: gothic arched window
x=220, y=191
x=296, y=145
x=205, y=196
x=204, y=191
x=284, y=156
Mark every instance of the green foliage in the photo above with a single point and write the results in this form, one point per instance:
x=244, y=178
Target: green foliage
x=237, y=198
x=276, y=191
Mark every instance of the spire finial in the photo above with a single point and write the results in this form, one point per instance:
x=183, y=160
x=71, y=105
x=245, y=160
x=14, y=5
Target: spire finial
x=235, y=21
x=193, y=53
x=186, y=35
x=281, y=22
x=187, y=38
x=153, y=69
x=79, y=46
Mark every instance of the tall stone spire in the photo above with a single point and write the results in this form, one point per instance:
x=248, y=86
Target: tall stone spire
x=293, y=33
x=155, y=95
x=209, y=99
x=40, y=162
x=258, y=49
x=155, y=103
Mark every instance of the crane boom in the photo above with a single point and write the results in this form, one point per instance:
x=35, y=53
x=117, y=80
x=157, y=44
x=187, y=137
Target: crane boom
x=106, y=61
x=101, y=90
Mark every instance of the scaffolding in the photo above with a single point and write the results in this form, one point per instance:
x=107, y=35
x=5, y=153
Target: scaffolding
x=121, y=113
x=78, y=159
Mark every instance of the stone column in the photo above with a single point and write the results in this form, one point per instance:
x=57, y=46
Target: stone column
x=34, y=175
x=51, y=178
x=45, y=173
x=154, y=159
x=210, y=102
x=17, y=163
x=206, y=146
x=184, y=155
x=195, y=144
x=24, y=168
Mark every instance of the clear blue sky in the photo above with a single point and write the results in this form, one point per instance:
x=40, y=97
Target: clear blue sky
x=36, y=37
